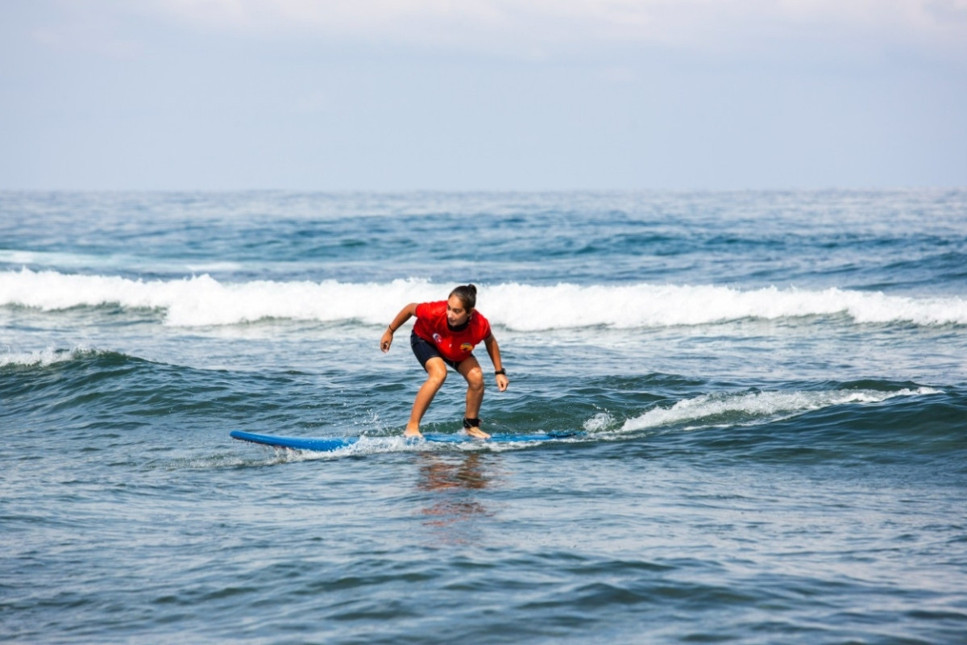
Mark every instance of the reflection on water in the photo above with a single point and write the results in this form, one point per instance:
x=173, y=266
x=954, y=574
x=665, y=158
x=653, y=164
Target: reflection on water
x=452, y=484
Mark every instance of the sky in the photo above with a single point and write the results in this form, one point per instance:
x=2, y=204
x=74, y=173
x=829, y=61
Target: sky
x=399, y=95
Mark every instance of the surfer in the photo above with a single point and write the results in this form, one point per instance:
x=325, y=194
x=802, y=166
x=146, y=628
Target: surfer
x=445, y=333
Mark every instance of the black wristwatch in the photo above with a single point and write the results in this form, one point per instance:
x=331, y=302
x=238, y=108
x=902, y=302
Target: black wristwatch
x=500, y=371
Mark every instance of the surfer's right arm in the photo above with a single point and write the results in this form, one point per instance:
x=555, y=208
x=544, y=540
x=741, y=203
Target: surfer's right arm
x=405, y=314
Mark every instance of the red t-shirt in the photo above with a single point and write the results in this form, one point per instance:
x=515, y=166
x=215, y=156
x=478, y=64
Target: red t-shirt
x=431, y=326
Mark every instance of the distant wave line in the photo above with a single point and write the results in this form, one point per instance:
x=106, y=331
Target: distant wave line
x=204, y=301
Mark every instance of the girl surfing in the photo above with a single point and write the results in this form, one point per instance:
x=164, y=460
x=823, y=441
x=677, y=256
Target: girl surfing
x=445, y=333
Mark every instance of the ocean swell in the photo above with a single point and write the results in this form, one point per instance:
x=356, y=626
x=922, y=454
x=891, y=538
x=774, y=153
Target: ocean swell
x=203, y=301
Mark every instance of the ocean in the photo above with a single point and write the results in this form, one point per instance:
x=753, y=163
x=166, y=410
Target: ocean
x=771, y=387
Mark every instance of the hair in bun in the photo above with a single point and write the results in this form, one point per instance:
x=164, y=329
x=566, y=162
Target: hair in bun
x=467, y=294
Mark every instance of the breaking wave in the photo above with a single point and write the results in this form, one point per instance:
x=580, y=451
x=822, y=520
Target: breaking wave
x=203, y=301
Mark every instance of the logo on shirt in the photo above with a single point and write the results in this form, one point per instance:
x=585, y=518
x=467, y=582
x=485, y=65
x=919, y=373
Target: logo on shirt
x=466, y=347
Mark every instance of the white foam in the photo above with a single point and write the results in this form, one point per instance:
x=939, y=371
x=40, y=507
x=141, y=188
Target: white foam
x=42, y=358
x=646, y=305
x=599, y=422
x=755, y=407
x=202, y=301
x=374, y=445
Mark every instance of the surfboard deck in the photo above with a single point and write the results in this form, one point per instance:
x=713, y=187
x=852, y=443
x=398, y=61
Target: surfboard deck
x=328, y=444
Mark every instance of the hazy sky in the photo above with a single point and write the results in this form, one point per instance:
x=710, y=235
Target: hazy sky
x=482, y=94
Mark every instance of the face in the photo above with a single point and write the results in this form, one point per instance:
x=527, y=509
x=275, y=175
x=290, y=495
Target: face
x=457, y=314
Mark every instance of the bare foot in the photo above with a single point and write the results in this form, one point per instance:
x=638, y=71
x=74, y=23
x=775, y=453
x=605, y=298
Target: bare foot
x=413, y=433
x=477, y=433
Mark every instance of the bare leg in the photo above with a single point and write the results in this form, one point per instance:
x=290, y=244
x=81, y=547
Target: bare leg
x=470, y=369
x=436, y=371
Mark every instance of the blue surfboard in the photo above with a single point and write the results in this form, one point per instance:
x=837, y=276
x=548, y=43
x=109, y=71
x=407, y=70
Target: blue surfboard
x=328, y=444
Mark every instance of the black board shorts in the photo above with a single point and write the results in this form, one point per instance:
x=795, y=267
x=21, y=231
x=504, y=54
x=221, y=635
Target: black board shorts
x=424, y=351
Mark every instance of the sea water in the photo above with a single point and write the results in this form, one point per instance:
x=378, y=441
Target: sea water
x=772, y=388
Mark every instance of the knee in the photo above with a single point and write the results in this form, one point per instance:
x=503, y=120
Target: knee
x=475, y=380
x=437, y=377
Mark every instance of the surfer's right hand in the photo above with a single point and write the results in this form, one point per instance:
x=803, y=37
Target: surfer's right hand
x=386, y=340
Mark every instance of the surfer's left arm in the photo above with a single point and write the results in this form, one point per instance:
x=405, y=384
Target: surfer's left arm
x=494, y=350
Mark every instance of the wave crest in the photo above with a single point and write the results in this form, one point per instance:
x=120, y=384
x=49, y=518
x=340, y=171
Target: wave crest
x=203, y=301
x=756, y=407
